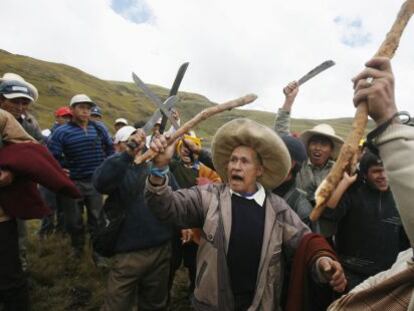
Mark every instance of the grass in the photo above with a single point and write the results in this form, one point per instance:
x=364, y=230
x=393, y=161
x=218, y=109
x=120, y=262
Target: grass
x=60, y=282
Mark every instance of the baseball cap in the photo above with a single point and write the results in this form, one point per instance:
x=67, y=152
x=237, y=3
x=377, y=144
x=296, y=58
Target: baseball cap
x=81, y=98
x=121, y=120
x=63, y=111
x=28, y=90
x=96, y=111
x=16, y=89
x=123, y=134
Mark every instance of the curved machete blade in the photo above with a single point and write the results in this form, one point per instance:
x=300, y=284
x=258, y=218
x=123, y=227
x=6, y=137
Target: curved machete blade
x=174, y=90
x=315, y=71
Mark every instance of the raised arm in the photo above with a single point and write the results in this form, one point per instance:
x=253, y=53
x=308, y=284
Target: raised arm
x=184, y=208
x=282, y=122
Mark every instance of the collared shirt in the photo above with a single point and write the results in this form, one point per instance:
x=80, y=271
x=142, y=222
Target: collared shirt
x=311, y=176
x=259, y=196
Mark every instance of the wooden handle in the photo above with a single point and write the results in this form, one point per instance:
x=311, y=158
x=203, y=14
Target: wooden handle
x=203, y=115
x=350, y=147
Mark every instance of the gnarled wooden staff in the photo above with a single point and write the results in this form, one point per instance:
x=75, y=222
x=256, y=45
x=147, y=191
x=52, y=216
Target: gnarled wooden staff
x=350, y=147
x=201, y=116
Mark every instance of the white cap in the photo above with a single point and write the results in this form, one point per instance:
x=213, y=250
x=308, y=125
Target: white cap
x=81, y=98
x=121, y=120
x=46, y=132
x=123, y=134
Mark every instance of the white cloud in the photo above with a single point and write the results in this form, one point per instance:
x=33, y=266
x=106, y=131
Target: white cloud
x=234, y=46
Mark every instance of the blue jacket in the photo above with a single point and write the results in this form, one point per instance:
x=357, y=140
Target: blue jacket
x=124, y=182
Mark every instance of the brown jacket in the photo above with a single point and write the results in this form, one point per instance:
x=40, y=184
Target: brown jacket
x=209, y=207
x=11, y=132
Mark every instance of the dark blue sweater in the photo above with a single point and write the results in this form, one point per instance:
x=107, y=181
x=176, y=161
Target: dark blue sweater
x=82, y=150
x=245, y=246
x=124, y=182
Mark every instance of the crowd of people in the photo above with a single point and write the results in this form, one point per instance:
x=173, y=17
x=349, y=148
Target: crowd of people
x=237, y=216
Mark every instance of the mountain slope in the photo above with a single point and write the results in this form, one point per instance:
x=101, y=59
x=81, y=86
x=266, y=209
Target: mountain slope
x=57, y=83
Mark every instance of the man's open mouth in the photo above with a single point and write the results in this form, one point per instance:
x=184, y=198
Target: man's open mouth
x=236, y=177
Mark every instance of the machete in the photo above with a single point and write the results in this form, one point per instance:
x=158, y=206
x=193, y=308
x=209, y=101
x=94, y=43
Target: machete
x=169, y=103
x=174, y=90
x=155, y=99
x=315, y=71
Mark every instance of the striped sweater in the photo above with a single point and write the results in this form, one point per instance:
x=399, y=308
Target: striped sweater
x=80, y=150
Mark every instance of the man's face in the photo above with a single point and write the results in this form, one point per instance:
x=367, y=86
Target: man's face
x=81, y=112
x=120, y=147
x=376, y=177
x=95, y=117
x=118, y=126
x=320, y=149
x=16, y=106
x=243, y=170
x=63, y=119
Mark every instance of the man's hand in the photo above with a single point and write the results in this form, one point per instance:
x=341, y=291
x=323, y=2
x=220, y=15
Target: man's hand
x=175, y=115
x=334, y=273
x=291, y=90
x=349, y=180
x=6, y=178
x=186, y=235
x=192, y=146
x=379, y=93
x=66, y=171
x=159, y=144
x=137, y=139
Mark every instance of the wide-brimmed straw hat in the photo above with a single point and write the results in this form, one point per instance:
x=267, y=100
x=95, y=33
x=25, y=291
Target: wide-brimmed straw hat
x=270, y=147
x=14, y=86
x=323, y=130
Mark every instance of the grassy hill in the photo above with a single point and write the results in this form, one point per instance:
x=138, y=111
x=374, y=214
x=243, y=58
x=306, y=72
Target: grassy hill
x=57, y=83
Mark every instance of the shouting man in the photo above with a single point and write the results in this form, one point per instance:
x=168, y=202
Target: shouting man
x=246, y=230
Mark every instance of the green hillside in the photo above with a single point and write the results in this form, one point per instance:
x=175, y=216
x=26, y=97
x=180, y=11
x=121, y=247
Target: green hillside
x=57, y=83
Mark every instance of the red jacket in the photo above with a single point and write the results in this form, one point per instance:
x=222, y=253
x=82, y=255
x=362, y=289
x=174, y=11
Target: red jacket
x=311, y=247
x=31, y=164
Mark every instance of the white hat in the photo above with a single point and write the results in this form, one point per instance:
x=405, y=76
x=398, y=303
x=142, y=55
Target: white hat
x=14, y=86
x=123, y=134
x=121, y=120
x=323, y=130
x=81, y=98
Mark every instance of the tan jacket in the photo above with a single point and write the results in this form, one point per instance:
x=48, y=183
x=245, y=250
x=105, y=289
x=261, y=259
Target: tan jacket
x=11, y=132
x=396, y=146
x=209, y=207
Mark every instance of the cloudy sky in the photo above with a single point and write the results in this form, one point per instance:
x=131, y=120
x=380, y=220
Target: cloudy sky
x=234, y=47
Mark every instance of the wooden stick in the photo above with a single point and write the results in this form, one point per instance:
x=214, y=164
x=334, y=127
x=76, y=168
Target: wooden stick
x=350, y=147
x=201, y=116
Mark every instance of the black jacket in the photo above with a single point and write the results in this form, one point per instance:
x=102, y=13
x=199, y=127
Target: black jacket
x=124, y=182
x=370, y=234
